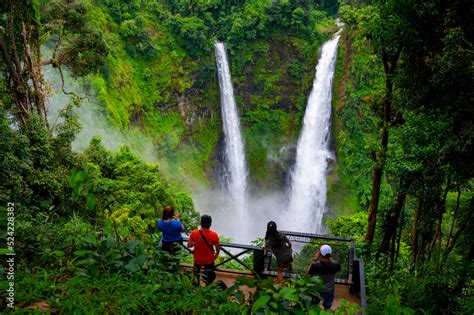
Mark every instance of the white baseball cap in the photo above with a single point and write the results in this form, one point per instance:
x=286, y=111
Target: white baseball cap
x=325, y=250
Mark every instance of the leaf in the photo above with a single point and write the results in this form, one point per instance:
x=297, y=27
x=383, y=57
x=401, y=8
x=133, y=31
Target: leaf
x=86, y=262
x=132, y=244
x=132, y=266
x=289, y=294
x=58, y=253
x=261, y=302
x=94, y=272
x=91, y=201
x=239, y=296
x=83, y=252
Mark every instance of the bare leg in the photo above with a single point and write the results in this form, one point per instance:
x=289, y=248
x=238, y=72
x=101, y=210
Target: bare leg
x=280, y=274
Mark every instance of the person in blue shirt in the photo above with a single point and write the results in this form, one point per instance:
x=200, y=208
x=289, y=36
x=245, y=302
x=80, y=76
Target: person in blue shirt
x=171, y=228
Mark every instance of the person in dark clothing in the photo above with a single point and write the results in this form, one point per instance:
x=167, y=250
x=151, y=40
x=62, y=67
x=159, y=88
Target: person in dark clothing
x=171, y=228
x=280, y=246
x=325, y=267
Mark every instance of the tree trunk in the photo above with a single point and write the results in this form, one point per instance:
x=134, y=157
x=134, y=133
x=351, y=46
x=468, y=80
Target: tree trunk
x=18, y=87
x=415, y=232
x=36, y=77
x=392, y=223
x=399, y=236
x=23, y=68
x=374, y=202
x=390, y=65
x=448, y=241
x=440, y=207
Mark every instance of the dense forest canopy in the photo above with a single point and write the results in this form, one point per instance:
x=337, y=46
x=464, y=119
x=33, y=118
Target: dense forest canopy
x=85, y=220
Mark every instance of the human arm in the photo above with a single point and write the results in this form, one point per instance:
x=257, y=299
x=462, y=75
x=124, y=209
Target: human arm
x=177, y=225
x=315, y=259
x=287, y=241
x=266, y=245
x=218, y=250
x=317, y=256
x=309, y=268
x=191, y=241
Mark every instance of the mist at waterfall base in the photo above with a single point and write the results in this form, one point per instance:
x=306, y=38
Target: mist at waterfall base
x=241, y=229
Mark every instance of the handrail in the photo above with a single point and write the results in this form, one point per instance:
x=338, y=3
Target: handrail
x=246, y=249
x=233, y=245
x=355, y=277
x=321, y=236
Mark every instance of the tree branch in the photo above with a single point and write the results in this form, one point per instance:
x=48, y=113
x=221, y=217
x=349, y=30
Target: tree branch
x=16, y=58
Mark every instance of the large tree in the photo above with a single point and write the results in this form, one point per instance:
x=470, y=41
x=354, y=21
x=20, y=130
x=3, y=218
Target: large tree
x=20, y=50
x=25, y=26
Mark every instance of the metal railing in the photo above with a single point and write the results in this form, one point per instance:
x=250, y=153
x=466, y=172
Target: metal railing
x=308, y=244
x=245, y=250
x=305, y=245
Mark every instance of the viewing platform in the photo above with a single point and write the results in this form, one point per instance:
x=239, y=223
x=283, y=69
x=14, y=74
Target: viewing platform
x=254, y=261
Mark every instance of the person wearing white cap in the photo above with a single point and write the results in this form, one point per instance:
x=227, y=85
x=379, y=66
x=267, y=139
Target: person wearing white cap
x=325, y=267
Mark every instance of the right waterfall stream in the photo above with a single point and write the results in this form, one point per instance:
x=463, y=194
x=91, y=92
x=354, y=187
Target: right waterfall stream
x=307, y=195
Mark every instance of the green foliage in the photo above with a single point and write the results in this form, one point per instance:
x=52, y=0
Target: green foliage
x=356, y=129
x=35, y=165
x=125, y=189
x=100, y=270
x=353, y=225
x=424, y=164
x=159, y=75
x=103, y=271
x=295, y=296
x=78, y=46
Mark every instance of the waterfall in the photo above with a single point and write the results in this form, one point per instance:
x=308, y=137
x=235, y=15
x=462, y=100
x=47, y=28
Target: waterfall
x=235, y=169
x=307, y=201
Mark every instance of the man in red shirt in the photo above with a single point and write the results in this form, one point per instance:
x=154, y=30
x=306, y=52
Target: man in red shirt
x=206, y=245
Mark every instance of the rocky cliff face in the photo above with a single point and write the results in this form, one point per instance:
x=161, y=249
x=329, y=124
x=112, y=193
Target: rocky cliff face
x=156, y=83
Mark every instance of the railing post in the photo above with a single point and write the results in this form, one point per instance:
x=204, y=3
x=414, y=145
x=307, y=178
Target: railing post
x=351, y=260
x=258, y=261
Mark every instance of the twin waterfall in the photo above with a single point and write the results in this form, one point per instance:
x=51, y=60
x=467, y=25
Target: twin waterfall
x=235, y=168
x=307, y=197
x=307, y=202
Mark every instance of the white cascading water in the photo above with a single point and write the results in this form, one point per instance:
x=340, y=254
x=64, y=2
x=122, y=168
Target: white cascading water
x=307, y=201
x=235, y=173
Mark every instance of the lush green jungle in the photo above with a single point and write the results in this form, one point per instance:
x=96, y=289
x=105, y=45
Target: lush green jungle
x=81, y=223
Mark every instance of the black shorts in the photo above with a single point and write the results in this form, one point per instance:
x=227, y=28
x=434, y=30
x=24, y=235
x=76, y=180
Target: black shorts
x=197, y=268
x=172, y=247
x=207, y=271
x=285, y=263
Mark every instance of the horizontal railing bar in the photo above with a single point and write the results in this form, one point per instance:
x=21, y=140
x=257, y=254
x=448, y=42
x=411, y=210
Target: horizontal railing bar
x=232, y=257
x=326, y=237
x=233, y=245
